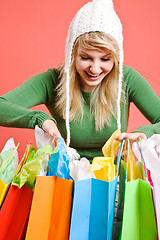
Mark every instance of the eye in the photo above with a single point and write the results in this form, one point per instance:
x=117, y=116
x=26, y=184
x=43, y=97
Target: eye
x=85, y=58
x=105, y=59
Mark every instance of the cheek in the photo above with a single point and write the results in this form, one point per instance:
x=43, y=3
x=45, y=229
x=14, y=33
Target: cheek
x=109, y=67
x=81, y=65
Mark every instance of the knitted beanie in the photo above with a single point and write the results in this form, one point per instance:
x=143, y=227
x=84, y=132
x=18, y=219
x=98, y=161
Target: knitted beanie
x=97, y=15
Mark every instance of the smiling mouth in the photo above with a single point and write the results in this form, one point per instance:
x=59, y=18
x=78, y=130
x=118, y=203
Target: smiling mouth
x=93, y=76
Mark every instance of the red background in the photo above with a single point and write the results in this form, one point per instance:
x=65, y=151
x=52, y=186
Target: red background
x=33, y=37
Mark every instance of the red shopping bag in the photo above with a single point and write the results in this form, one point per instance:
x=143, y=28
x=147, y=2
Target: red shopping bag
x=15, y=212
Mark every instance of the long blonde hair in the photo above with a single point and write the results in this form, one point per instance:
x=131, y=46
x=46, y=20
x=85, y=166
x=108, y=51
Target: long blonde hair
x=103, y=102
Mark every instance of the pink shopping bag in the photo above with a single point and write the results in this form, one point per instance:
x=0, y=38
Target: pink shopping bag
x=156, y=199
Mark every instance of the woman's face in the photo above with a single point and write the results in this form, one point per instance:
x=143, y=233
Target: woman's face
x=92, y=66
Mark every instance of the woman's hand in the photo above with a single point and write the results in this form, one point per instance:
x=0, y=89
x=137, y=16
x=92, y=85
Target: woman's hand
x=133, y=137
x=50, y=127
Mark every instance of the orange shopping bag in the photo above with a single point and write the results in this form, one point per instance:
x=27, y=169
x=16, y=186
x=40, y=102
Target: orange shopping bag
x=50, y=212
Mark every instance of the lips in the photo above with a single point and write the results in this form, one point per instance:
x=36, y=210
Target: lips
x=93, y=76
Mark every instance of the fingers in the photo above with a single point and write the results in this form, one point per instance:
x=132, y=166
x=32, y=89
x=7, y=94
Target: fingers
x=50, y=127
x=131, y=136
x=121, y=137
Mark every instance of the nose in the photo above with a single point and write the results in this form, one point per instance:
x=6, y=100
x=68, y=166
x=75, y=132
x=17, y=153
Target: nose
x=95, y=68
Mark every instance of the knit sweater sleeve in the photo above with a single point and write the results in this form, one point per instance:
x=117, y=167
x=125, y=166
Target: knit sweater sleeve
x=146, y=100
x=15, y=105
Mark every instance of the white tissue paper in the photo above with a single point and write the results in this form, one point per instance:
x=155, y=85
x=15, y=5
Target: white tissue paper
x=10, y=144
x=79, y=169
x=73, y=154
x=43, y=138
x=151, y=154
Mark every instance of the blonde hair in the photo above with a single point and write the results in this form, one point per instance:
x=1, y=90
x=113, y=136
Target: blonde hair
x=103, y=102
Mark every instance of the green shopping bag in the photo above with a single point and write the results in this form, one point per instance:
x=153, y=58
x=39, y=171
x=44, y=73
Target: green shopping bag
x=139, y=221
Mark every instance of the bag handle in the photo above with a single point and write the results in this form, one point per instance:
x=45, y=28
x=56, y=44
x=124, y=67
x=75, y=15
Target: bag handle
x=120, y=154
x=23, y=160
x=54, y=140
x=10, y=156
x=127, y=154
x=126, y=149
x=142, y=159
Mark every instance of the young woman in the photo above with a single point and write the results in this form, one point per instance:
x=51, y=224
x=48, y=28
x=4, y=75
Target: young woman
x=89, y=96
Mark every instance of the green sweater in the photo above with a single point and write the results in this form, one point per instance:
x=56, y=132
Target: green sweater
x=40, y=89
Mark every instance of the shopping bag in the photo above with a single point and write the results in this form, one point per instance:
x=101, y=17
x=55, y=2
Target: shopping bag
x=14, y=213
x=15, y=210
x=156, y=200
x=93, y=208
x=133, y=172
x=50, y=212
x=138, y=216
x=155, y=193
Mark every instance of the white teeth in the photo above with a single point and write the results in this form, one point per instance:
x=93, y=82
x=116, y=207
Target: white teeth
x=93, y=75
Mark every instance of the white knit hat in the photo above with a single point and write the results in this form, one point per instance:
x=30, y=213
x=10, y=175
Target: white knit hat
x=98, y=15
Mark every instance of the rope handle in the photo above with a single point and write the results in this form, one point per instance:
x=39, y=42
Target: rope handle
x=120, y=154
x=142, y=159
x=126, y=155
x=54, y=140
x=127, y=160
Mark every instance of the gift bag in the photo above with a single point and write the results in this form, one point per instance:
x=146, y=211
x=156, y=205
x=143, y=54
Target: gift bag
x=51, y=207
x=50, y=212
x=14, y=213
x=156, y=199
x=155, y=194
x=15, y=210
x=93, y=208
x=138, y=215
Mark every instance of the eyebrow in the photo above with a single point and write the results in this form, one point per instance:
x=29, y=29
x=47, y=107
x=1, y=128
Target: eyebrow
x=105, y=55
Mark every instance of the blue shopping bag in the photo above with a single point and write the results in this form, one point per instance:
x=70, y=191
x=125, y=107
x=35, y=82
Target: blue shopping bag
x=93, y=208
